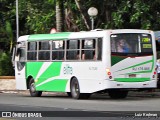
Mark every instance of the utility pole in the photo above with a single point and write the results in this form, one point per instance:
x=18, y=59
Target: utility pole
x=17, y=20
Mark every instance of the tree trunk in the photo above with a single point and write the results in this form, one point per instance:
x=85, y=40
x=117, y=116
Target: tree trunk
x=9, y=34
x=58, y=16
x=70, y=23
x=105, y=14
x=84, y=13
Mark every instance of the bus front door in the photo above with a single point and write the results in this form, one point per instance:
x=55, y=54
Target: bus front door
x=20, y=61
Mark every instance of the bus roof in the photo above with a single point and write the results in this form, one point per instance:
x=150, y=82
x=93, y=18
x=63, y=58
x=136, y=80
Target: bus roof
x=58, y=36
x=74, y=35
x=36, y=37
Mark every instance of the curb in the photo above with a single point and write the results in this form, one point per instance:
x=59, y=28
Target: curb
x=7, y=77
x=14, y=91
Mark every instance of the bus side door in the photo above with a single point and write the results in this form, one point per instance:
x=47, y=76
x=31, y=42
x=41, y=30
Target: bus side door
x=20, y=62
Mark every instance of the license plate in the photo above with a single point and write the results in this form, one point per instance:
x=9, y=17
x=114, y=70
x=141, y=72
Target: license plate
x=132, y=75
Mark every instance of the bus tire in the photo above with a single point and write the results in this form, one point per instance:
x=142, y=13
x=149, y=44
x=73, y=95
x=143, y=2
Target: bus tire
x=32, y=89
x=75, y=90
x=117, y=94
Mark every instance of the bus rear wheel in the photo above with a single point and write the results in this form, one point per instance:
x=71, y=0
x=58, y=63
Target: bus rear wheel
x=32, y=89
x=75, y=90
x=117, y=94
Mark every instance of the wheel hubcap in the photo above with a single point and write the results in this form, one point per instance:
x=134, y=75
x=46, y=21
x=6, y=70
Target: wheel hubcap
x=76, y=88
x=33, y=88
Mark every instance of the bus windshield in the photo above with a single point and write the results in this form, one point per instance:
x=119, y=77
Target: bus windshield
x=132, y=43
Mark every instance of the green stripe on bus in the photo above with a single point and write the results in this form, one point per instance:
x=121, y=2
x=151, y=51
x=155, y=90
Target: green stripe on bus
x=55, y=36
x=52, y=71
x=139, y=65
x=139, y=72
x=58, y=85
x=33, y=68
x=153, y=60
x=131, y=79
x=116, y=59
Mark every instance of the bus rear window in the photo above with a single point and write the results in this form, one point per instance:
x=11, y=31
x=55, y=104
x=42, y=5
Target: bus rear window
x=131, y=43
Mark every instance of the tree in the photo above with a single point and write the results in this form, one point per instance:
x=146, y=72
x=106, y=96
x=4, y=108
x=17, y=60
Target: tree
x=59, y=15
x=5, y=64
x=9, y=32
x=38, y=16
x=83, y=12
x=7, y=16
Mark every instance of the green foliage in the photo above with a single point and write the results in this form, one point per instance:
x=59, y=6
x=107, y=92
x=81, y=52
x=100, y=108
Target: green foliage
x=140, y=14
x=118, y=20
x=7, y=16
x=39, y=17
x=118, y=16
x=9, y=33
x=5, y=65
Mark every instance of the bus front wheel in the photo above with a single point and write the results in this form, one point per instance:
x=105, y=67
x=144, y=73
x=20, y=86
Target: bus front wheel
x=75, y=90
x=32, y=89
x=117, y=94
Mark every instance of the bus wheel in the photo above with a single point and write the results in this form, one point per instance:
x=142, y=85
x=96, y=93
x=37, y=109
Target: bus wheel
x=32, y=89
x=117, y=94
x=75, y=90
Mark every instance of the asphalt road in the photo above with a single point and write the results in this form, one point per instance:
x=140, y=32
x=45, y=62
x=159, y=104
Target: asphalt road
x=97, y=107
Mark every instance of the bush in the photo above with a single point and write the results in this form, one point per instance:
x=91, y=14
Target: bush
x=6, y=68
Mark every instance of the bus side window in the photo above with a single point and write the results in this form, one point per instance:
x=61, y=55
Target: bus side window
x=73, y=49
x=60, y=55
x=99, y=52
x=54, y=55
x=21, y=52
x=58, y=50
x=72, y=55
x=32, y=51
x=88, y=47
x=88, y=54
x=44, y=50
x=78, y=55
x=94, y=55
x=44, y=55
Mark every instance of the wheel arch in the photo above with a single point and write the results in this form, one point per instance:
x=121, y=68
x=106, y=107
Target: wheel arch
x=28, y=80
x=72, y=79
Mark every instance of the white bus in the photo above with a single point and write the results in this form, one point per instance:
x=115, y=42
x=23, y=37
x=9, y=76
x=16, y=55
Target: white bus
x=82, y=63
